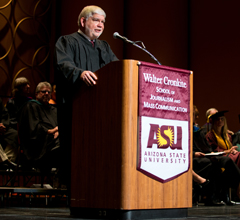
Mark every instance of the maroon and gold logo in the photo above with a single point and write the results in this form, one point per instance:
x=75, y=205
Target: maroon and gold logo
x=164, y=149
x=161, y=140
x=164, y=137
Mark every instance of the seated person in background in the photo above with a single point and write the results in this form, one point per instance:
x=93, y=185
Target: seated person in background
x=20, y=95
x=38, y=130
x=8, y=140
x=220, y=139
x=206, y=127
x=220, y=170
x=208, y=169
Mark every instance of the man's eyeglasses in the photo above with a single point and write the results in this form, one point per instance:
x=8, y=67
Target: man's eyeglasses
x=45, y=91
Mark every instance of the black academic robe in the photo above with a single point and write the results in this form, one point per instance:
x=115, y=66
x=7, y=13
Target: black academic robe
x=10, y=137
x=203, y=165
x=14, y=106
x=4, y=116
x=220, y=169
x=34, y=122
x=73, y=55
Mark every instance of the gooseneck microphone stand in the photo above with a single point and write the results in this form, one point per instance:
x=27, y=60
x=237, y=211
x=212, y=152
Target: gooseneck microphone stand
x=117, y=35
x=144, y=49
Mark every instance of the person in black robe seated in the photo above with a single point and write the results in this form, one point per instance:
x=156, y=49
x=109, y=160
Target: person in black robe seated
x=8, y=140
x=221, y=170
x=20, y=93
x=38, y=130
x=77, y=57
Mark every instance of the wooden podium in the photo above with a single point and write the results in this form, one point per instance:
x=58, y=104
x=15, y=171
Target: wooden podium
x=105, y=181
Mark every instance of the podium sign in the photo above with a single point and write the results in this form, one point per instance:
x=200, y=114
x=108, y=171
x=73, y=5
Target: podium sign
x=164, y=109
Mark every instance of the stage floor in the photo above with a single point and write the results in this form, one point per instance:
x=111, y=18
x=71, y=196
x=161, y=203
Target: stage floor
x=200, y=212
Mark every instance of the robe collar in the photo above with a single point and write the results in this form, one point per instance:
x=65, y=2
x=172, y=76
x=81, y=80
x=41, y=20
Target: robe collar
x=84, y=35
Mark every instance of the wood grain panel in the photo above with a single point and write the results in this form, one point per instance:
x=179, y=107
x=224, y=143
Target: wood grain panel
x=104, y=162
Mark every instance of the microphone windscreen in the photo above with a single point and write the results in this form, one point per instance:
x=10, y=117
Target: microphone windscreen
x=115, y=35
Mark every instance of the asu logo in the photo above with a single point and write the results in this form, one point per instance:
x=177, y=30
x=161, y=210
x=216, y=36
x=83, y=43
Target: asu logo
x=164, y=150
x=164, y=136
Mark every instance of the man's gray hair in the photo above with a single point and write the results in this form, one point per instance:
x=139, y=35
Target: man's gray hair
x=43, y=84
x=89, y=11
x=209, y=111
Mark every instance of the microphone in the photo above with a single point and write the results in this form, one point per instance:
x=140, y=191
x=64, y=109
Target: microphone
x=117, y=35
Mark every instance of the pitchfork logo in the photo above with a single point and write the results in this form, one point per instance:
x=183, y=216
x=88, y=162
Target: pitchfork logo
x=162, y=141
x=164, y=150
x=165, y=137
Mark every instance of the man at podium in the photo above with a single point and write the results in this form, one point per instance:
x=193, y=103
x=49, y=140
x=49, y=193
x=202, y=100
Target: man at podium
x=78, y=56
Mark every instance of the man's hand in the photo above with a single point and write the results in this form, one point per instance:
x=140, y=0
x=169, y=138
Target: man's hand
x=89, y=78
x=54, y=132
x=199, y=154
x=55, y=135
x=2, y=129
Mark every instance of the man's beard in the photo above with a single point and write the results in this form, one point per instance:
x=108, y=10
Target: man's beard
x=89, y=32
